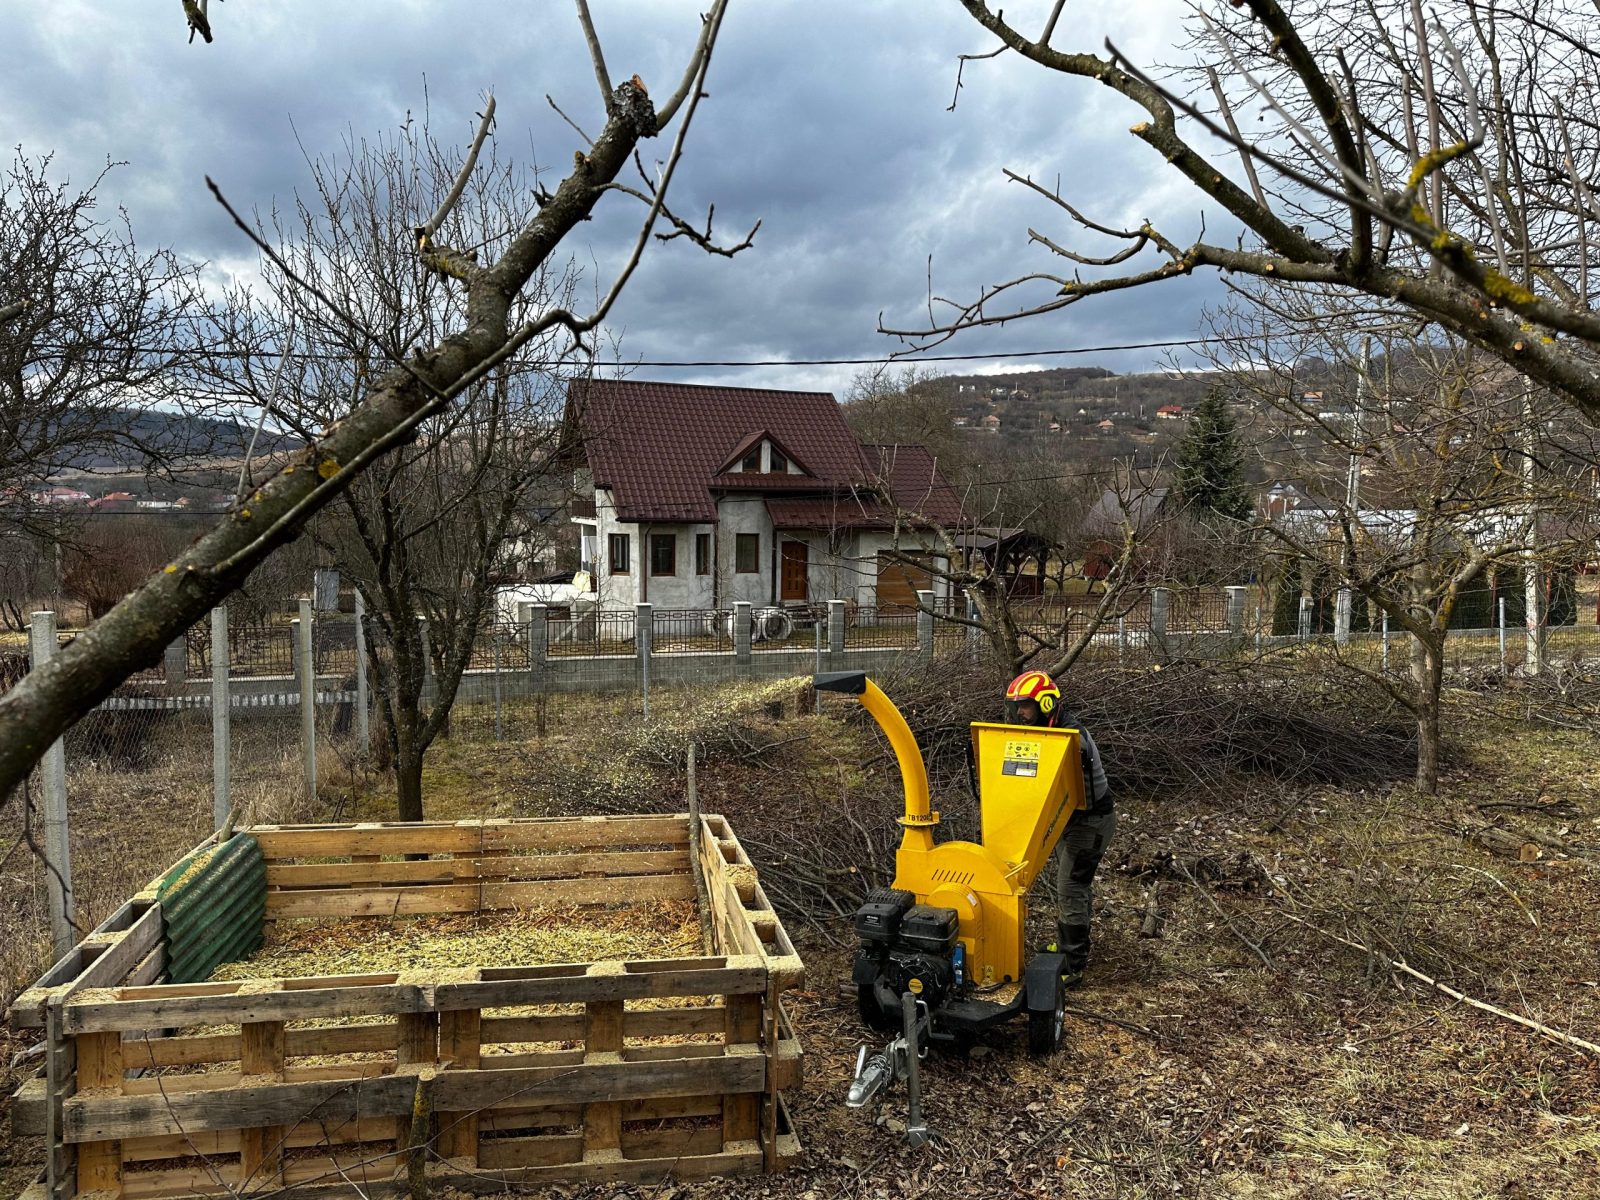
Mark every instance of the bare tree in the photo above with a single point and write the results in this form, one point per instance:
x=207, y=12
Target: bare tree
x=1441, y=165
x=410, y=382
x=92, y=331
x=1411, y=451
x=1035, y=626
x=423, y=533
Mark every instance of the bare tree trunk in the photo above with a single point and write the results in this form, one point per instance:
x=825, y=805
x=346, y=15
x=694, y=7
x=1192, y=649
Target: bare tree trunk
x=408, y=779
x=1532, y=568
x=1427, y=674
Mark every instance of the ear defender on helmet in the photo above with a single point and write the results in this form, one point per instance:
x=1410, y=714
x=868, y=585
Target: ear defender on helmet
x=1037, y=687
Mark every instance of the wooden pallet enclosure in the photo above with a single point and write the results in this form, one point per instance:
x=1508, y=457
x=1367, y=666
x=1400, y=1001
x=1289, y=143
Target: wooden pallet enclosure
x=491, y=1076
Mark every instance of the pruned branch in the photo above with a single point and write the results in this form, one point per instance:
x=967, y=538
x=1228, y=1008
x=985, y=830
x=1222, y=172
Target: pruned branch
x=35, y=712
x=425, y=232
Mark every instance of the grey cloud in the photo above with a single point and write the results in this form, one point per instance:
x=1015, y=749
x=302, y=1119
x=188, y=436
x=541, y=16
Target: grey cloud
x=825, y=120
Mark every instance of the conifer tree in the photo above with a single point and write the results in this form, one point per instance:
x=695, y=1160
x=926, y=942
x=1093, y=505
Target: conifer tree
x=1210, y=462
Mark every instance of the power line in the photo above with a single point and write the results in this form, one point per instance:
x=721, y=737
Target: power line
x=911, y=359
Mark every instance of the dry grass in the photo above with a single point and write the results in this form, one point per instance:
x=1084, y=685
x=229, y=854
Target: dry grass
x=1321, y=1077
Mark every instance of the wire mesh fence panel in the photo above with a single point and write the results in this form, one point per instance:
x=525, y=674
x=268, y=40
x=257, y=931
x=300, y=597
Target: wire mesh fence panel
x=872, y=628
x=785, y=628
x=261, y=649
x=267, y=763
x=1197, y=611
x=333, y=643
x=592, y=633
x=951, y=635
x=692, y=630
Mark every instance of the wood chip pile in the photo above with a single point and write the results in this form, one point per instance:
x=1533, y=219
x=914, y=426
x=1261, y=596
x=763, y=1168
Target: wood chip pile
x=529, y=937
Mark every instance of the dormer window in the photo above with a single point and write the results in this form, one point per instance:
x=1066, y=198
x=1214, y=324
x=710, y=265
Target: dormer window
x=760, y=454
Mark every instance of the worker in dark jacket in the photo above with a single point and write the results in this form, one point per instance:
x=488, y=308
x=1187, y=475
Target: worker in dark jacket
x=1034, y=699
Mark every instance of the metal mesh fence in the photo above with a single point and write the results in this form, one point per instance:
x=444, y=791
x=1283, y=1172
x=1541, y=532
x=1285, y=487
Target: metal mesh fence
x=592, y=633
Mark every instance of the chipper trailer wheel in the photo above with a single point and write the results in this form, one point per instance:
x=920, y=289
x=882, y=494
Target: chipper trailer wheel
x=1047, y=1026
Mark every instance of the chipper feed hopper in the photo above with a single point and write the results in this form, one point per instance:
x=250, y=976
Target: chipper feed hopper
x=941, y=951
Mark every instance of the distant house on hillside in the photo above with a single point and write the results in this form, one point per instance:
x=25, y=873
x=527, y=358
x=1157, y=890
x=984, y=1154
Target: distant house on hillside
x=991, y=423
x=1281, y=498
x=59, y=496
x=1112, y=516
x=1170, y=412
x=704, y=496
x=1106, y=426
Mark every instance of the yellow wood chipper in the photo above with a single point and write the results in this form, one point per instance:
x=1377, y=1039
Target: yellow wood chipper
x=941, y=953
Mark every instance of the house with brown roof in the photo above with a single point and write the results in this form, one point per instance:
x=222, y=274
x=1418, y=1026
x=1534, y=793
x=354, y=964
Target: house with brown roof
x=704, y=496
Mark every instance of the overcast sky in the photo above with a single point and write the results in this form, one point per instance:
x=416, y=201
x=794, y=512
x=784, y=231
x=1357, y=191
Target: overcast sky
x=826, y=120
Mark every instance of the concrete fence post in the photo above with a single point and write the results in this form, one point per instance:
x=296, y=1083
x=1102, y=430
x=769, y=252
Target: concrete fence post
x=524, y=619
x=1305, y=618
x=308, y=696
x=538, y=636
x=221, y=716
x=741, y=632
x=363, y=705
x=499, y=692
x=1236, y=597
x=644, y=635
x=1341, y=616
x=973, y=631
x=1502, y=607
x=53, y=774
x=1385, y=639
x=836, y=630
x=925, y=603
x=1160, y=605
x=175, y=662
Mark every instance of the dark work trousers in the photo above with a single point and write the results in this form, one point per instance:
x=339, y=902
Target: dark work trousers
x=1078, y=857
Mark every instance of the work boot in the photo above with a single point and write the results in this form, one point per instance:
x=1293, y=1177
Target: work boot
x=1074, y=943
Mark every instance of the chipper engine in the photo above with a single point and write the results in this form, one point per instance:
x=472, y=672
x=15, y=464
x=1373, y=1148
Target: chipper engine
x=941, y=951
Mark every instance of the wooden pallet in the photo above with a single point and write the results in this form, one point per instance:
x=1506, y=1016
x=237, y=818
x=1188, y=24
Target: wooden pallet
x=489, y=1077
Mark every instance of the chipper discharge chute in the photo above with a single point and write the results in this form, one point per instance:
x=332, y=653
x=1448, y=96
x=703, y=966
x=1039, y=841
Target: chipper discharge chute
x=941, y=951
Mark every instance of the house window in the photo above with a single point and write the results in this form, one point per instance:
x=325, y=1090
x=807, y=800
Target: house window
x=780, y=464
x=617, y=546
x=747, y=553
x=702, y=554
x=586, y=549
x=663, y=554
x=751, y=461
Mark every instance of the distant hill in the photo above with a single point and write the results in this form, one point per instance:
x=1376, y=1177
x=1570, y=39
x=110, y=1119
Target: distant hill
x=1071, y=403
x=134, y=440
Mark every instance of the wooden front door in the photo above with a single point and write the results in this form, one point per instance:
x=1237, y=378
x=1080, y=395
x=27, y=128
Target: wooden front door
x=796, y=561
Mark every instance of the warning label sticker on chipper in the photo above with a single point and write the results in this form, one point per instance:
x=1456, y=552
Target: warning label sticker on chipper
x=1021, y=758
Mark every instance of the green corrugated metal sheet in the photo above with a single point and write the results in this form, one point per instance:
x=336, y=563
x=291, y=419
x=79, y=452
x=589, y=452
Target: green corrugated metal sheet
x=213, y=907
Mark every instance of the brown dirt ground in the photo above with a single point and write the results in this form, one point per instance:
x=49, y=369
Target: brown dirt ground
x=1321, y=1076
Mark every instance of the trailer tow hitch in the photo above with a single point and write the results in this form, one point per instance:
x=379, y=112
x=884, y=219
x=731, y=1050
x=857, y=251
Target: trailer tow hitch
x=900, y=1059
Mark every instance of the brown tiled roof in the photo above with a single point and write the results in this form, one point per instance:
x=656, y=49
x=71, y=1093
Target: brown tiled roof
x=833, y=512
x=754, y=481
x=916, y=483
x=659, y=446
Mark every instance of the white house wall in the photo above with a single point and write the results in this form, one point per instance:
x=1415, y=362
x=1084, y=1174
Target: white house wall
x=849, y=572
x=742, y=514
x=614, y=591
